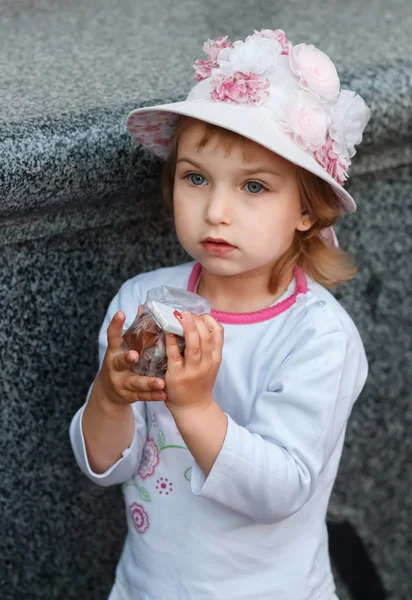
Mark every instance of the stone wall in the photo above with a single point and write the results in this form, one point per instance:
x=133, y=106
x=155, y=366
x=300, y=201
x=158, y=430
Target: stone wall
x=80, y=212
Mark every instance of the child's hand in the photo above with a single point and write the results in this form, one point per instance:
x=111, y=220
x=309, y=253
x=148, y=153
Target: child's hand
x=190, y=379
x=116, y=380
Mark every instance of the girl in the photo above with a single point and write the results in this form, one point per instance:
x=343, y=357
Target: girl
x=228, y=464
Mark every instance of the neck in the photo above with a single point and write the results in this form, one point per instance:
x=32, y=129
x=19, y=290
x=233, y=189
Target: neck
x=246, y=292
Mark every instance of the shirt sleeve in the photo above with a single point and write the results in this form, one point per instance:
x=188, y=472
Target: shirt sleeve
x=269, y=469
x=124, y=468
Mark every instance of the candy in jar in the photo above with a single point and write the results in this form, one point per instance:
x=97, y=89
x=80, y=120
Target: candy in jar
x=161, y=314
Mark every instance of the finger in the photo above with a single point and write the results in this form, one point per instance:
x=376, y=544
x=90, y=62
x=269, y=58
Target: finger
x=193, y=350
x=158, y=396
x=218, y=334
x=115, y=331
x=124, y=361
x=140, y=309
x=205, y=336
x=142, y=383
x=155, y=397
x=174, y=358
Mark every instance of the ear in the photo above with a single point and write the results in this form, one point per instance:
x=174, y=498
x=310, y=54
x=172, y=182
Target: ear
x=305, y=222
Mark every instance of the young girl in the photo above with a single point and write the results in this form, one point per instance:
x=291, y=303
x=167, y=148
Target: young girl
x=228, y=464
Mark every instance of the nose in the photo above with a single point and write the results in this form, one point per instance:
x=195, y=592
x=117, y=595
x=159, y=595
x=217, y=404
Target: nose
x=218, y=208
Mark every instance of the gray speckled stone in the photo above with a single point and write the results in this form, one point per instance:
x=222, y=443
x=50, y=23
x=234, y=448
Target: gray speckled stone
x=55, y=288
x=80, y=212
x=61, y=535
x=374, y=484
x=71, y=72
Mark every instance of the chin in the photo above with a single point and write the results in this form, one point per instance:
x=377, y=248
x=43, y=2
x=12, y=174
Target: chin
x=219, y=266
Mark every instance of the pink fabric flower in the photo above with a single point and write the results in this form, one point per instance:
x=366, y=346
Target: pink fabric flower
x=212, y=48
x=305, y=119
x=336, y=165
x=203, y=68
x=240, y=88
x=316, y=71
x=275, y=34
x=149, y=460
x=140, y=518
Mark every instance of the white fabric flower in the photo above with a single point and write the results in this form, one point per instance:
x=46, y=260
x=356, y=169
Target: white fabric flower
x=350, y=115
x=275, y=34
x=306, y=120
x=315, y=70
x=254, y=55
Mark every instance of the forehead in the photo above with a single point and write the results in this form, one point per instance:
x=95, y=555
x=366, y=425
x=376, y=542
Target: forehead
x=195, y=139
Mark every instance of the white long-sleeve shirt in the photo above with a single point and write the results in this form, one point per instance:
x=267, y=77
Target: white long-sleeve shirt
x=255, y=528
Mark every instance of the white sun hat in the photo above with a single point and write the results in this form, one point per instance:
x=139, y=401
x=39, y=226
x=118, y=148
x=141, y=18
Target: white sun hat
x=286, y=98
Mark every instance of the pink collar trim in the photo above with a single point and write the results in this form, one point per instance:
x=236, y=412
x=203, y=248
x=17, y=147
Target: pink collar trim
x=259, y=315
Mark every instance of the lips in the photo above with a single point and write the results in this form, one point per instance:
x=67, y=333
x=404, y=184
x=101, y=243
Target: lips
x=218, y=241
x=217, y=247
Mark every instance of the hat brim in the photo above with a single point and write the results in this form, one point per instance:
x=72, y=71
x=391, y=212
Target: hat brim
x=154, y=127
x=256, y=125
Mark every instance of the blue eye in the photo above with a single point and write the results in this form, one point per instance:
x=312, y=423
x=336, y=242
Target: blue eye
x=195, y=175
x=255, y=183
x=197, y=180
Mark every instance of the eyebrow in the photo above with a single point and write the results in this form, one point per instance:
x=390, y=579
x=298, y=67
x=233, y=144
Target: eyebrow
x=250, y=171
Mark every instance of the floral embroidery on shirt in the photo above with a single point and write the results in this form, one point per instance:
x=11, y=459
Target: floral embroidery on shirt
x=152, y=423
x=150, y=458
x=164, y=486
x=161, y=440
x=150, y=454
x=154, y=419
x=143, y=493
x=140, y=518
x=148, y=464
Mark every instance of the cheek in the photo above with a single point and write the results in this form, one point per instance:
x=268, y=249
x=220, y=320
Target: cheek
x=272, y=224
x=185, y=214
x=284, y=212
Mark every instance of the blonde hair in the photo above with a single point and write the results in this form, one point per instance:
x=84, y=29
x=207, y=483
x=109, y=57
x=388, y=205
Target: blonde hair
x=328, y=266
